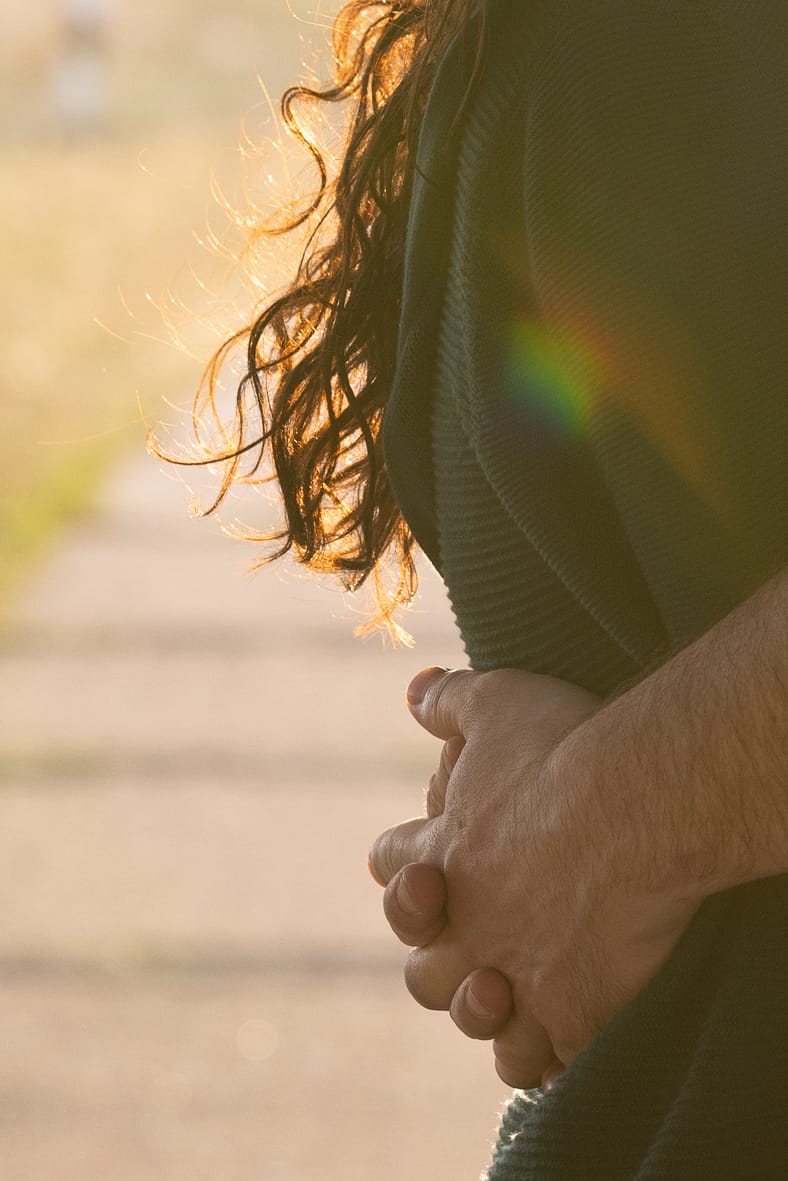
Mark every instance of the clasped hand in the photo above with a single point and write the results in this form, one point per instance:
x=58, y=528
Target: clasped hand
x=524, y=891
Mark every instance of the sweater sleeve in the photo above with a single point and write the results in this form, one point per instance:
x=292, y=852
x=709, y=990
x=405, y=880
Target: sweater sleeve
x=656, y=168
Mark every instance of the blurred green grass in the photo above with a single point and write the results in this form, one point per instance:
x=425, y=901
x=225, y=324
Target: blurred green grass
x=71, y=228
x=95, y=233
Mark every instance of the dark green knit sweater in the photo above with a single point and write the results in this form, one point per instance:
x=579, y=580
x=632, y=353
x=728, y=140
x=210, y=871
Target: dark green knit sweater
x=589, y=436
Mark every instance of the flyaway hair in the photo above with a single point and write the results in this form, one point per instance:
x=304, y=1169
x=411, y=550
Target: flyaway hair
x=319, y=359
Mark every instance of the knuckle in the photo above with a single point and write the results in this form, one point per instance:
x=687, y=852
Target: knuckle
x=515, y=1076
x=441, y=687
x=413, y=927
x=421, y=984
x=412, y=841
x=391, y=907
x=478, y=1028
x=436, y=694
x=515, y=1068
x=523, y=1051
x=382, y=858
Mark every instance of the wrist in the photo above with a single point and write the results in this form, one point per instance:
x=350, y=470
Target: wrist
x=637, y=829
x=686, y=771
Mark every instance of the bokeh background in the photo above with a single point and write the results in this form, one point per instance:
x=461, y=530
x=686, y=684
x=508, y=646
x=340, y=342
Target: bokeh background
x=195, y=978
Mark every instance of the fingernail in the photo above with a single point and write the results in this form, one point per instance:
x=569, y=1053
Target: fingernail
x=475, y=1006
x=418, y=687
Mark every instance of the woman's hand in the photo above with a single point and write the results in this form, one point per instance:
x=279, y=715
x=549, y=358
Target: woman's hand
x=542, y=889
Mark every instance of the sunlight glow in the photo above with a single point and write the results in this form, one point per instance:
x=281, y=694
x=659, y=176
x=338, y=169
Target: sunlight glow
x=637, y=372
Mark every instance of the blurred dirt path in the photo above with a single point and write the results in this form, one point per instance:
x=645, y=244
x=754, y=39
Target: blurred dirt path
x=196, y=979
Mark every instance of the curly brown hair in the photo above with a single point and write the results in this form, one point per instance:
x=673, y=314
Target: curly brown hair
x=319, y=360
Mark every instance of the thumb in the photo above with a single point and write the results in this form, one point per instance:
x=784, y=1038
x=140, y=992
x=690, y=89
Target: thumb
x=440, y=700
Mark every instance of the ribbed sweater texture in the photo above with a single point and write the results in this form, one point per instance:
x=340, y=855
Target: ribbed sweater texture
x=589, y=436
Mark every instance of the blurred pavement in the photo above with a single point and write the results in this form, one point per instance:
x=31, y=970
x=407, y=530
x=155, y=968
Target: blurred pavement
x=196, y=981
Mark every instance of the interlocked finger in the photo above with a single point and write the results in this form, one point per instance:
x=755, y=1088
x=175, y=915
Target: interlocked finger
x=433, y=974
x=414, y=902
x=482, y=1005
x=524, y=1054
x=436, y=792
x=413, y=840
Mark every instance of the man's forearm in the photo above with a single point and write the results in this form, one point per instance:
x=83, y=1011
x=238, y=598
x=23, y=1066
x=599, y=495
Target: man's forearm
x=701, y=746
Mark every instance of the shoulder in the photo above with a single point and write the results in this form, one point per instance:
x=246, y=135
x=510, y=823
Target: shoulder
x=543, y=32
x=668, y=83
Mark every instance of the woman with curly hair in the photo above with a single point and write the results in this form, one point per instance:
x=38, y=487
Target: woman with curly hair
x=538, y=332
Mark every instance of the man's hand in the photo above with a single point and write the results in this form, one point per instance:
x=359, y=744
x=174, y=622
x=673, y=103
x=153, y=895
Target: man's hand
x=414, y=903
x=535, y=880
